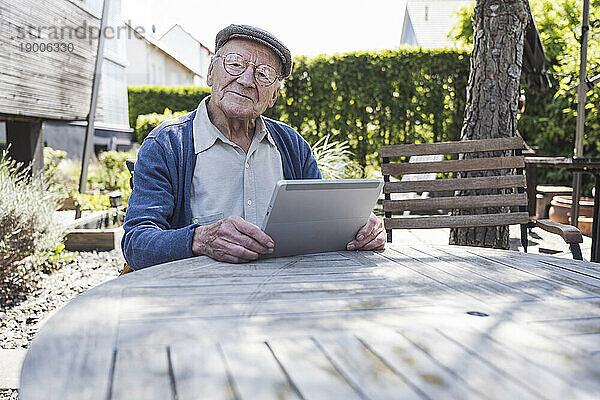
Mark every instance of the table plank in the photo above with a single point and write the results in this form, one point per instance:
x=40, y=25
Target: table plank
x=485, y=290
x=546, y=269
x=533, y=359
x=79, y=375
x=571, y=326
x=311, y=372
x=68, y=337
x=374, y=377
x=525, y=277
x=588, y=343
x=200, y=372
x=266, y=382
x=430, y=378
x=470, y=367
x=142, y=372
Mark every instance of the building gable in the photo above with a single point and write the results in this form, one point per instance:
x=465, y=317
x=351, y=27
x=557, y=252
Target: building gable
x=428, y=22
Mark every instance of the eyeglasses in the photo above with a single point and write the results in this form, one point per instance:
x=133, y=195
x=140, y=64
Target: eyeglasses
x=235, y=65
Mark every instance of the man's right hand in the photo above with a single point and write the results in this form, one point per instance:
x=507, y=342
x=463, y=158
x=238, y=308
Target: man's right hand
x=231, y=240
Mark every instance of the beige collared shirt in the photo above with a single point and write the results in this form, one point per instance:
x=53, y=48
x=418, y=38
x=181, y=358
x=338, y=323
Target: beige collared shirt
x=227, y=181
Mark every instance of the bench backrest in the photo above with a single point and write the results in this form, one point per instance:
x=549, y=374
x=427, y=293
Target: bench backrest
x=489, y=199
x=419, y=159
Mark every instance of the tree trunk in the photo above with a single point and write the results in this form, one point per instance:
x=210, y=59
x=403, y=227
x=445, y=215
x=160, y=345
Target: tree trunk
x=492, y=95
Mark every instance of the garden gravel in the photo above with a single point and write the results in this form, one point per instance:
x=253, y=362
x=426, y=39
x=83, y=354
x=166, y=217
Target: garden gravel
x=9, y=394
x=20, y=317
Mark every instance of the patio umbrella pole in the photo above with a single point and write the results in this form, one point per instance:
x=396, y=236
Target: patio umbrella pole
x=89, y=132
x=581, y=100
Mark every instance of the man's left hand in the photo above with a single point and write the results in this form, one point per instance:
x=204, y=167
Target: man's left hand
x=369, y=237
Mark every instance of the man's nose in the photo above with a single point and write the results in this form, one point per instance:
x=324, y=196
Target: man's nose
x=247, y=77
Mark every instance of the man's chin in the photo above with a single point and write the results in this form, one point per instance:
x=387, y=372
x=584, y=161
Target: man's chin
x=237, y=112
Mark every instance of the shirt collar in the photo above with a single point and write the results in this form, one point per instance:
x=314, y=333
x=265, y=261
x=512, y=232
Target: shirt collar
x=206, y=134
x=262, y=131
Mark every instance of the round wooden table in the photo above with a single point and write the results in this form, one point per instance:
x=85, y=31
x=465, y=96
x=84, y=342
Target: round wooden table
x=431, y=323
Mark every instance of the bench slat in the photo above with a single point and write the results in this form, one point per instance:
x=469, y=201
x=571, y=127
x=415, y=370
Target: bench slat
x=464, y=146
x=456, y=202
x=476, y=164
x=456, y=221
x=442, y=185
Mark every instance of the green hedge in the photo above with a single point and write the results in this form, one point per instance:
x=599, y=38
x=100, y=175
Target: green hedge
x=145, y=123
x=366, y=98
x=154, y=99
x=375, y=98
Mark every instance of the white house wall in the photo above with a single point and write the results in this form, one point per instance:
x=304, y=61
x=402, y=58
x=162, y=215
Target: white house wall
x=112, y=101
x=114, y=111
x=137, y=66
x=431, y=21
x=187, y=50
x=150, y=65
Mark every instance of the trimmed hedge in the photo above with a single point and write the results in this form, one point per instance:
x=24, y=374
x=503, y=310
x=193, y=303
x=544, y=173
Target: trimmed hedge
x=375, y=98
x=154, y=99
x=365, y=98
x=145, y=123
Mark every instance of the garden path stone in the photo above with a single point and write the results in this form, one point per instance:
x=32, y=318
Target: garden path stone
x=10, y=367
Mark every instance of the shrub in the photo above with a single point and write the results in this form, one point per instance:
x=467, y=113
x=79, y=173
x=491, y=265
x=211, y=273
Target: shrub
x=145, y=123
x=154, y=99
x=52, y=158
x=112, y=173
x=106, y=173
x=29, y=233
x=335, y=160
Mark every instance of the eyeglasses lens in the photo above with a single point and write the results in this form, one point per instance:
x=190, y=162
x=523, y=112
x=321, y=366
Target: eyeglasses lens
x=235, y=65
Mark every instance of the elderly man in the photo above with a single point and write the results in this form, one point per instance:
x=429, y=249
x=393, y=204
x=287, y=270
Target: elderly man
x=203, y=181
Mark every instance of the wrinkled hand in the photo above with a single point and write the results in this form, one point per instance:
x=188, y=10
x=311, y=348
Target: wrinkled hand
x=369, y=237
x=231, y=240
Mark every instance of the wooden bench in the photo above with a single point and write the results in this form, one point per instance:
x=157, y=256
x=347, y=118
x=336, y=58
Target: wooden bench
x=412, y=177
x=492, y=200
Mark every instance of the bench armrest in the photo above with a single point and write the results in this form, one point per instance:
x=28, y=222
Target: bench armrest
x=569, y=233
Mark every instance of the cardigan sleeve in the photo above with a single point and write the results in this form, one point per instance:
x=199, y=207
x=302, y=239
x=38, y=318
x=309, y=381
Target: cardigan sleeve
x=149, y=237
x=310, y=169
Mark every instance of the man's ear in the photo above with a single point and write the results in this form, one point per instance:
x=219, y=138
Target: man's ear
x=209, y=78
x=275, y=94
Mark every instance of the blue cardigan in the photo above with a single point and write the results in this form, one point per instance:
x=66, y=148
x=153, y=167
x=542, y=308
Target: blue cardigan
x=158, y=225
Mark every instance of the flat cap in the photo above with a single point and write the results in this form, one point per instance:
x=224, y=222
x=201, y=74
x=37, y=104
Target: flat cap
x=258, y=35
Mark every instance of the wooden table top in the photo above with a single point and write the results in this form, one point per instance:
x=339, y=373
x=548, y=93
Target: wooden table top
x=417, y=323
x=576, y=164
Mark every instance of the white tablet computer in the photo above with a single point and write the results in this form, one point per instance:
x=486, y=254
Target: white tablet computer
x=314, y=216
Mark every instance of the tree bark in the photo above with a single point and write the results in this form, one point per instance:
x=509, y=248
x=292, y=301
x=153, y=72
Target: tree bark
x=492, y=97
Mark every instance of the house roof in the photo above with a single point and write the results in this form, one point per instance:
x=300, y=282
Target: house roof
x=177, y=26
x=428, y=22
x=431, y=21
x=161, y=47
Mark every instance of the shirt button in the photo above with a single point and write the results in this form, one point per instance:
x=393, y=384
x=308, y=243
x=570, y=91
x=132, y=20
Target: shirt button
x=249, y=202
x=247, y=165
x=195, y=220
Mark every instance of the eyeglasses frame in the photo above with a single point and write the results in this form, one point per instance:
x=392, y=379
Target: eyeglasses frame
x=277, y=77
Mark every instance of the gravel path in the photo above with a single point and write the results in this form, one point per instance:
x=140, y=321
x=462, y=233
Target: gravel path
x=19, y=318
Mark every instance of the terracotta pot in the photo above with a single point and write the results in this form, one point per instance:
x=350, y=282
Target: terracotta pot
x=585, y=225
x=560, y=211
